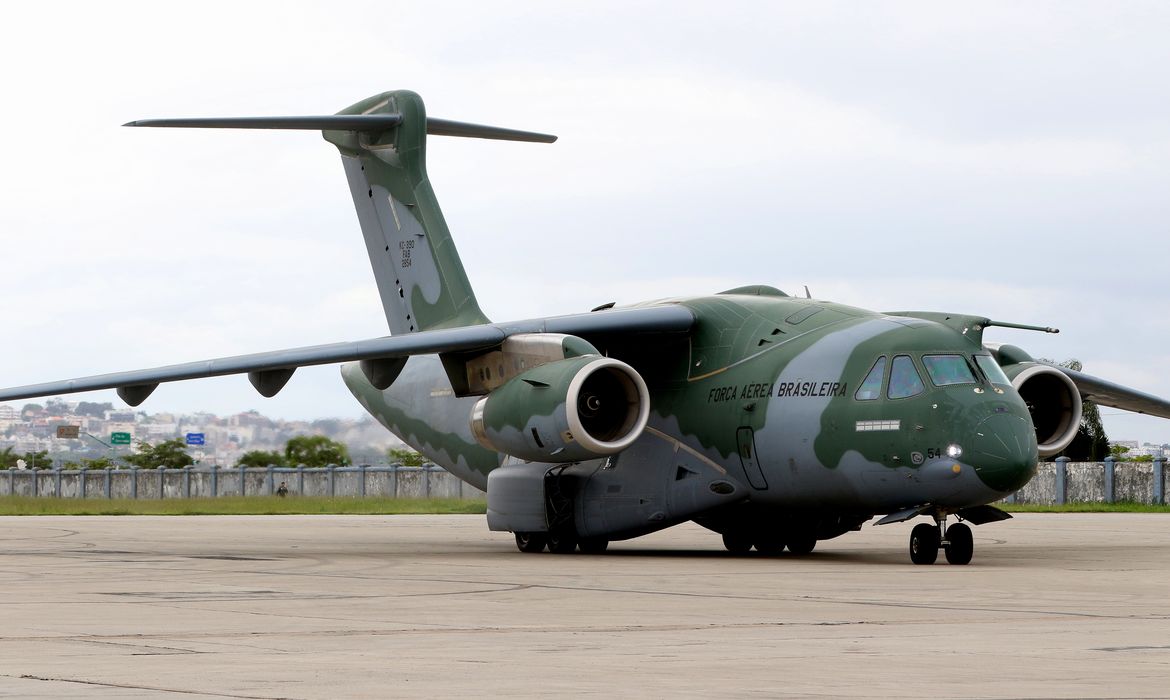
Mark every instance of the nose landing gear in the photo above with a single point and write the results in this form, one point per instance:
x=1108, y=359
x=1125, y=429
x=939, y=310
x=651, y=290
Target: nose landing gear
x=955, y=541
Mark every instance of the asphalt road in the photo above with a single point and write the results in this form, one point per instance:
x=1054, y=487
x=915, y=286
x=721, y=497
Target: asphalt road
x=1053, y=606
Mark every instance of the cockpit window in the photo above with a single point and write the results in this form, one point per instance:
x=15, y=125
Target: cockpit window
x=904, y=379
x=992, y=369
x=945, y=370
x=871, y=388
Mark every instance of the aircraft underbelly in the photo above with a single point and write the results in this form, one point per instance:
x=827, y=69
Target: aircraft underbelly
x=420, y=408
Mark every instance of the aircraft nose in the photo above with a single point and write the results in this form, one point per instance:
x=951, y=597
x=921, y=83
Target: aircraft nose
x=1003, y=451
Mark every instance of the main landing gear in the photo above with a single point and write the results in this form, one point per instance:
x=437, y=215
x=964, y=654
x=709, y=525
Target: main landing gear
x=955, y=541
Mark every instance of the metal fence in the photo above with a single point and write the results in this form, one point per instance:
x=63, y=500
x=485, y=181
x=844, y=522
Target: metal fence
x=391, y=480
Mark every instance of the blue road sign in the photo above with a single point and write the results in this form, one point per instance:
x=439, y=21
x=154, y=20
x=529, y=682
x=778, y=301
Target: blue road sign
x=194, y=438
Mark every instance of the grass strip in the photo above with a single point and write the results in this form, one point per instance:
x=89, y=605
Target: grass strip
x=237, y=505
x=1120, y=507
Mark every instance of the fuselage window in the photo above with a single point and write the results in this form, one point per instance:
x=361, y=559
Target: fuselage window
x=904, y=379
x=871, y=388
x=945, y=370
x=992, y=369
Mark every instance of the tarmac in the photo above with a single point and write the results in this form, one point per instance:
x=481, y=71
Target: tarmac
x=1053, y=606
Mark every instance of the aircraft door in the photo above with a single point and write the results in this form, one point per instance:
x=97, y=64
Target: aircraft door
x=746, y=440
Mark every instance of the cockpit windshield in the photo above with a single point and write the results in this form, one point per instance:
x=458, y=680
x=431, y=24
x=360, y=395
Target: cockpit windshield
x=904, y=379
x=945, y=370
x=992, y=369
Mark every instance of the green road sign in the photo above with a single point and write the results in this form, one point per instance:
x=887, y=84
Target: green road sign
x=119, y=438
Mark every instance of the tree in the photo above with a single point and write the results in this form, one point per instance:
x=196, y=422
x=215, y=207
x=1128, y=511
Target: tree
x=39, y=460
x=93, y=409
x=315, y=451
x=1117, y=452
x=407, y=458
x=259, y=458
x=171, y=454
x=99, y=463
x=1090, y=444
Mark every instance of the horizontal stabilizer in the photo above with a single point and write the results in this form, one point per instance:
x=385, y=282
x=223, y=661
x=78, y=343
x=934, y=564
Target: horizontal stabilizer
x=348, y=122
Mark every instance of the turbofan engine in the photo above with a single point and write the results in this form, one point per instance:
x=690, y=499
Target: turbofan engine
x=564, y=411
x=1052, y=399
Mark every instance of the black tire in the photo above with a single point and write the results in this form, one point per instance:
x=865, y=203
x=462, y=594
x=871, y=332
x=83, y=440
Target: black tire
x=924, y=543
x=770, y=545
x=960, y=544
x=531, y=542
x=593, y=545
x=562, y=544
x=802, y=542
x=737, y=544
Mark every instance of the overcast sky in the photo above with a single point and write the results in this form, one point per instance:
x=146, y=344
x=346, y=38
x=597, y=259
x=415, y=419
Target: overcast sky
x=1004, y=159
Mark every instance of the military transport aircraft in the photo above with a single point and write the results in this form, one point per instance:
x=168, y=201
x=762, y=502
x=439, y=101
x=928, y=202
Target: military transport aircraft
x=773, y=420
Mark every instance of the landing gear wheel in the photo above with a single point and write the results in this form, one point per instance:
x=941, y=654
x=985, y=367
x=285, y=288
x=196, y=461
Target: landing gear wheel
x=737, y=544
x=531, y=542
x=593, y=545
x=960, y=545
x=924, y=542
x=802, y=542
x=770, y=545
x=562, y=544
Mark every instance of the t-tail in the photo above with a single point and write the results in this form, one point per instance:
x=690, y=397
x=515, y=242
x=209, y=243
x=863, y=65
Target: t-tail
x=382, y=140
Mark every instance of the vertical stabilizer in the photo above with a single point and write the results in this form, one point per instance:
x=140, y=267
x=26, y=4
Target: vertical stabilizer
x=420, y=277
x=383, y=142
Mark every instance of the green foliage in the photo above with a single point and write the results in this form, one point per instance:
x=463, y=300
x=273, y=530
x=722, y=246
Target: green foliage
x=315, y=451
x=99, y=463
x=407, y=458
x=93, y=409
x=38, y=460
x=57, y=407
x=30, y=408
x=1091, y=444
x=171, y=454
x=1087, y=507
x=260, y=458
x=1117, y=452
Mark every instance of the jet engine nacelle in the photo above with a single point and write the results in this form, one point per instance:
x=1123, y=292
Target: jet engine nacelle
x=1053, y=400
x=564, y=411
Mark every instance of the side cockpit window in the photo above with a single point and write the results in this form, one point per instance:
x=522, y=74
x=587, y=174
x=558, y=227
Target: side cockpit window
x=871, y=388
x=945, y=370
x=992, y=369
x=904, y=379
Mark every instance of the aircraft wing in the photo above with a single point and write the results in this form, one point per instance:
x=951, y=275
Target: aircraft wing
x=269, y=371
x=1106, y=393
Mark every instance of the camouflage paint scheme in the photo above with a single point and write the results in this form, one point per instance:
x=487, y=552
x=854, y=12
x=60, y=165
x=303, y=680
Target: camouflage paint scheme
x=762, y=392
x=751, y=415
x=793, y=385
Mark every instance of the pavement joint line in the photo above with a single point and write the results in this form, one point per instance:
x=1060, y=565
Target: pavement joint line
x=130, y=686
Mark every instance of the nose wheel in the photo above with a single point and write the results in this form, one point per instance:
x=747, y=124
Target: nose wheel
x=955, y=541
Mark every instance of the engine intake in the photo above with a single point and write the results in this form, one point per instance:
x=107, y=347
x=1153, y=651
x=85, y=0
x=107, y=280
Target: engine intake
x=564, y=411
x=1054, y=402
